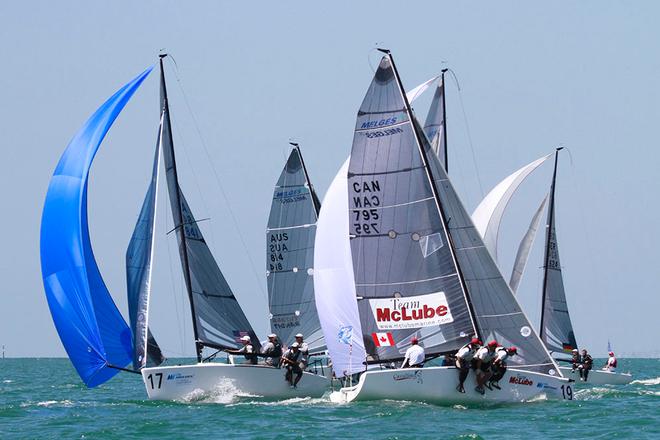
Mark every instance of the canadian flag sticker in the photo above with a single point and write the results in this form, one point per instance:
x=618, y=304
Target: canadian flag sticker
x=383, y=339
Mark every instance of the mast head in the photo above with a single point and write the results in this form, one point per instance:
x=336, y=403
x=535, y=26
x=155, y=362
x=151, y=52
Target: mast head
x=559, y=148
x=444, y=70
x=385, y=51
x=162, y=55
x=294, y=144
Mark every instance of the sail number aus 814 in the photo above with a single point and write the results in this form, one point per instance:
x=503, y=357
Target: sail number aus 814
x=158, y=382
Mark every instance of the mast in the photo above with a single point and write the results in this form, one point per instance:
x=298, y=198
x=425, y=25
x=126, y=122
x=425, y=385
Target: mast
x=444, y=121
x=550, y=227
x=312, y=193
x=434, y=190
x=179, y=215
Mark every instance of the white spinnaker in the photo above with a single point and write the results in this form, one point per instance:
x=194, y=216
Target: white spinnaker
x=525, y=246
x=420, y=89
x=488, y=215
x=334, y=282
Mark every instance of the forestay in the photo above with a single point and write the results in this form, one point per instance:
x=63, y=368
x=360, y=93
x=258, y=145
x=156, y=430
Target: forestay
x=290, y=255
x=556, y=327
x=434, y=126
x=139, y=261
x=218, y=319
x=92, y=330
x=488, y=215
x=406, y=278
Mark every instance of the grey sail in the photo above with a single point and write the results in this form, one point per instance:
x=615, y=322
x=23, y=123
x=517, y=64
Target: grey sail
x=406, y=277
x=218, y=320
x=497, y=313
x=290, y=256
x=139, y=260
x=556, y=327
x=434, y=126
x=525, y=246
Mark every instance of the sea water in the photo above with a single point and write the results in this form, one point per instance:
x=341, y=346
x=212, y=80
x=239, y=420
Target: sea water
x=45, y=399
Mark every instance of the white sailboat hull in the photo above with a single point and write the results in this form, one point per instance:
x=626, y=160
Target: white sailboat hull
x=185, y=382
x=438, y=385
x=598, y=377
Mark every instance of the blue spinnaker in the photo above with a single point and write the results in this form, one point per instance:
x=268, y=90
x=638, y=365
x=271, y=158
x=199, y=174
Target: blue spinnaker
x=91, y=328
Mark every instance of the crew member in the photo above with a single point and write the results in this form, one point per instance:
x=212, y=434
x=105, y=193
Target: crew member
x=611, y=363
x=304, y=351
x=499, y=365
x=481, y=364
x=586, y=365
x=464, y=358
x=414, y=357
x=291, y=361
x=576, y=360
x=246, y=350
x=273, y=350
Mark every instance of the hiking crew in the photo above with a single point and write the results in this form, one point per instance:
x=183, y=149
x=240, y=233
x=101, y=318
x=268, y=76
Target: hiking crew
x=304, y=351
x=586, y=365
x=482, y=362
x=498, y=367
x=414, y=357
x=291, y=361
x=464, y=358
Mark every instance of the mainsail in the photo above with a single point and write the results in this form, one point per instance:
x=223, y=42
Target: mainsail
x=488, y=215
x=406, y=279
x=92, y=330
x=290, y=255
x=556, y=328
x=218, y=320
x=525, y=246
x=139, y=260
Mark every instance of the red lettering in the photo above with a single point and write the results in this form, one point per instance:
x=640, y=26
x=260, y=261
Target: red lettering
x=382, y=315
x=417, y=314
x=396, y=315
x=441, y=310
x=404, y=315
x=428, y=312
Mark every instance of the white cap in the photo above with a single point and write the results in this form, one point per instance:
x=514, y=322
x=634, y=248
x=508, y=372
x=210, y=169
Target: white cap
x=272, y=335
x=245, y=338
x=299, y=335
x=295, y=345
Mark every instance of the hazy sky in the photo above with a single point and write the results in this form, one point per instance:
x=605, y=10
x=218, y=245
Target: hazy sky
x=582, y=74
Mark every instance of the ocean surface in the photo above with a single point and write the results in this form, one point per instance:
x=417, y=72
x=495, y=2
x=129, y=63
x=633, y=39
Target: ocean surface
x=45, y=399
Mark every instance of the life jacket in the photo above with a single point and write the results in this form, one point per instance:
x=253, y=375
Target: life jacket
x=612, y=362
x=277, y=350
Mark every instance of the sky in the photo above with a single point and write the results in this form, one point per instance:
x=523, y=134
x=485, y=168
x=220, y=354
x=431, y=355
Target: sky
x=245, y=79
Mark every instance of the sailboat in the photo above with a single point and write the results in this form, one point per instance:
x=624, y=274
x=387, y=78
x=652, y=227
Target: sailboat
x=555, y=329
x=290, y=255
x=96, y=337
x=397, y=256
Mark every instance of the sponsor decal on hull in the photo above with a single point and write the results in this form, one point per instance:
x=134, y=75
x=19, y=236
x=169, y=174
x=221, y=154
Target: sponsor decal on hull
x=179, y=378
x=409, y=375
x=411, y=312
x=521, y=380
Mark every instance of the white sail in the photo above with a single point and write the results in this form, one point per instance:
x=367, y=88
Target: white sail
x=420, y=89
x=488, y=215
x=334, y=283
x=525, y=246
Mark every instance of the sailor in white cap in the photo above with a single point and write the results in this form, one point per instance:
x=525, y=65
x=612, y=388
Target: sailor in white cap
x=272, y=350
x=304, y=351
x=291, y=361
x=246, y=350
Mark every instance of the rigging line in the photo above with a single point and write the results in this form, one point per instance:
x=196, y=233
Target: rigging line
x=222, y=190
x=469, y=134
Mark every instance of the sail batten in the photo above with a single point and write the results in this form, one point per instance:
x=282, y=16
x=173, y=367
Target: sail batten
x=290, y=237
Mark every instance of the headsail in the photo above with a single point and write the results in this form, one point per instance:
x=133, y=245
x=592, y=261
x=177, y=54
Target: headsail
x=334, y=284
x=139, y=260
x=556, y=327
x=290, y=255
x=406, y=278
x=525, y=246
x=488, y=215
x=218, y=320
x=435, y=125
x=92, y=330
